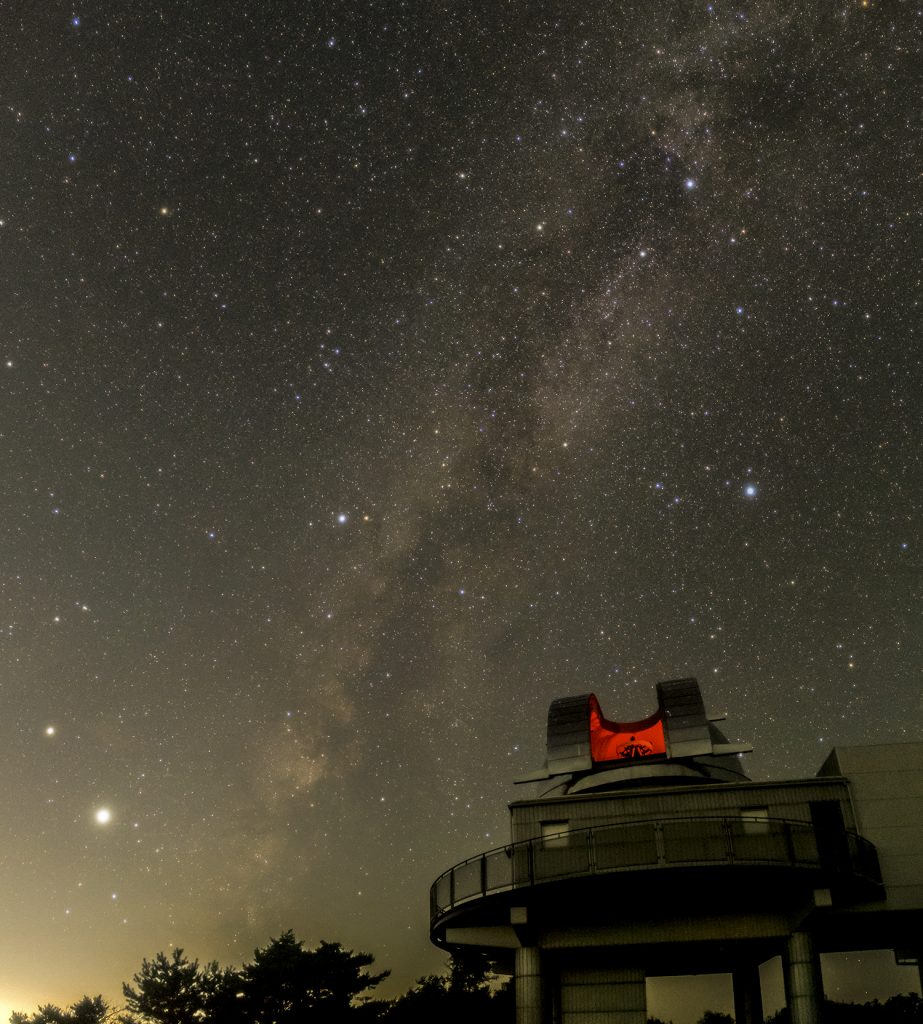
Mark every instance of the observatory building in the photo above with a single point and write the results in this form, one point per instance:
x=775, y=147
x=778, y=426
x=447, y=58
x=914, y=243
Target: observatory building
x=652, y=853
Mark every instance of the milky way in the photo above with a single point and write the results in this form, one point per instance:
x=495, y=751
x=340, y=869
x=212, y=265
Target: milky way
x=373, y=374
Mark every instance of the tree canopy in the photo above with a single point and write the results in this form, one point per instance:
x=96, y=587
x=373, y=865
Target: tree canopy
x=286, y=983
x=89, y=1010
x=175, y=990
x=464, y=995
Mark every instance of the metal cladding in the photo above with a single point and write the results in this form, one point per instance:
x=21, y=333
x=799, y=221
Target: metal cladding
x=569, y=735
x=581, y=741
x=684, y=720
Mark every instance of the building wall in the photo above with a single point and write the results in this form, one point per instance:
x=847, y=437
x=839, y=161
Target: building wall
x=886, y=781
x=788, y=800
x=591, y=994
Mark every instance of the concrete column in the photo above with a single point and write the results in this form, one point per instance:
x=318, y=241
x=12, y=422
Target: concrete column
x=529, y=986
x=748, y=997
x=804, y=990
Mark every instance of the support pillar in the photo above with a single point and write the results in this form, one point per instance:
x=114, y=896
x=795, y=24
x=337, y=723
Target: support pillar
x=529, y=986
x=748, y=997
x=804, y=990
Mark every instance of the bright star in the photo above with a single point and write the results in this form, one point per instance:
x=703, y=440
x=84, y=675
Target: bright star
x=103, y=816
x=342, y=518
x=689, y=184
x=750, y=490
x=49, y=730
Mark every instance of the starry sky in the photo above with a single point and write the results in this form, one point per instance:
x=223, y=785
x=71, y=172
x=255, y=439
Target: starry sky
x=372, y=374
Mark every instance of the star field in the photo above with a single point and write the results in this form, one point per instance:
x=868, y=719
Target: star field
x=373, y=374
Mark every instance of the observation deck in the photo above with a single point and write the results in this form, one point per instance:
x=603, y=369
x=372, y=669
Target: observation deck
x=837, y=859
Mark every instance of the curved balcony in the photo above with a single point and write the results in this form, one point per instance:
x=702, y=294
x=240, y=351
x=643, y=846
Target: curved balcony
x=837, y=855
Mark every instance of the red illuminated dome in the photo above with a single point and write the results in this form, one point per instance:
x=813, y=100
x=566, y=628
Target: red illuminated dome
x=678, y=743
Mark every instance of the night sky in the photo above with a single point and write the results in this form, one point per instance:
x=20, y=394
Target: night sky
x=373, y=374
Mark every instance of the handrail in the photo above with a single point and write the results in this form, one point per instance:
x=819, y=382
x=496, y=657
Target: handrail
x=652, y=844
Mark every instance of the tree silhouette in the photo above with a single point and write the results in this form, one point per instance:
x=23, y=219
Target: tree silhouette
x=469, y=971
x=287, y=984
x=462, y=996
x=716, y=1017
x=89, y=1010
x=176, y=990
x=900, y=1009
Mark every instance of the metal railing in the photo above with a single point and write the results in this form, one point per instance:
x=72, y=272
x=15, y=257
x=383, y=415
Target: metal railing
x=646, y=845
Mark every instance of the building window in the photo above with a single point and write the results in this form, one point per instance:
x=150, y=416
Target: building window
x=554, y=834
x=755, y=820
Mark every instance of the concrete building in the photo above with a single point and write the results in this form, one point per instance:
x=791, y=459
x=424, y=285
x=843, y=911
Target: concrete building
x=653, y=854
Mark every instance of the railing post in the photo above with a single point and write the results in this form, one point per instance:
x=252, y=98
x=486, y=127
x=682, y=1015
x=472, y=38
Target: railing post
x=591, y=851
x=452, y=887
x=530, y=861
x=729, y=851
x=484, y=874
x=659, y=844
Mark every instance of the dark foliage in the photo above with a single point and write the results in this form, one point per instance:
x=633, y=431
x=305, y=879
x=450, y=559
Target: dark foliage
x=902, y=1009
x=464, y=995
x=715, y=1017
x=89, y=1010
x=288, y=984
x=176, y=990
